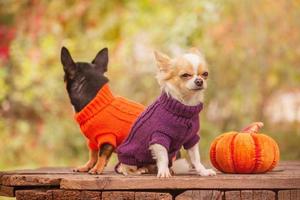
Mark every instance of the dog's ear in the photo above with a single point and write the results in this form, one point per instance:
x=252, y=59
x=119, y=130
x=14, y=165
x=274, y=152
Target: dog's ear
x=101, y=59
x=67, y=62
x=163, y=61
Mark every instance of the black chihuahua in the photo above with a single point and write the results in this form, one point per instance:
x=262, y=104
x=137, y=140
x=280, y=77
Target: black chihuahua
x=104, y=118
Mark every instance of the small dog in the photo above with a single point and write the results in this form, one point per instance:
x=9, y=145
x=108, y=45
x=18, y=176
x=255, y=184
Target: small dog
x=104, y=118
x=172, y=121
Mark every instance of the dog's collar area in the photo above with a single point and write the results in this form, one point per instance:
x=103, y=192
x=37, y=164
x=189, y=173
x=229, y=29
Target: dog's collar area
x=103, y=98
x=177, y=108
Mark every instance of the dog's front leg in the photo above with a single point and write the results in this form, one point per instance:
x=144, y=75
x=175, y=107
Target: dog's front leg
x=160, y=154
x=195, y=159
x=93, y=156
x=105, y=152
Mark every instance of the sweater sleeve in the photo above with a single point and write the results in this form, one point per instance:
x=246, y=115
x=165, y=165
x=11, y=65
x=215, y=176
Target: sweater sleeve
x=160, y=138
x=92, y=145
x=108, y=138
x=191, y=141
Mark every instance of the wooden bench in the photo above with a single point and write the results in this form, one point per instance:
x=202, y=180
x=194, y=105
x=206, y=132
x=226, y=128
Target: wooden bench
x=62, y=183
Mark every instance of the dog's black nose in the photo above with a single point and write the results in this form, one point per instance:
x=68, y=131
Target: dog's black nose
x=198, y=82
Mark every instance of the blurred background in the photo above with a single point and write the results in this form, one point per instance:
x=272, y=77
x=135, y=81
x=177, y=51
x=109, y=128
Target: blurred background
x=252, y=47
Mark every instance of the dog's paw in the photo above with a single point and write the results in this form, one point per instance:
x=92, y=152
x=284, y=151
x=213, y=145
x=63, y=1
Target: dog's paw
x=142, y=170
x=207, y=172
x=128, y=169
x=97, y=169
x=164, y=173
x=122, y=170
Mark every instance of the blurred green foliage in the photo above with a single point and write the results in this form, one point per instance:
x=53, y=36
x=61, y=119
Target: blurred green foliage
x=253, y=50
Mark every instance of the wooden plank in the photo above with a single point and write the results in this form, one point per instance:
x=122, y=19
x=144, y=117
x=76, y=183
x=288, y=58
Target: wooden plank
x=286, y=177
x=286, y=166
x=115, y=195
x=201, y=195
x=33, y=195
x=57, y=195
x=180, y=182
x=7, y=191
x=32, y=180
x=90, y=195
x=152, y=196
x=289, y=195
x=66, y=195
x=258, y=195
x=295, y=194
x=246, y=194
x=284, y=195
x=250, y=195
x=233, y=195
x=49, y=170
x=264, y=195
x=151, y=182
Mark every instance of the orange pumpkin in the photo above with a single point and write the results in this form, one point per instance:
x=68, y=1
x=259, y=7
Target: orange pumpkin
x=244, y=152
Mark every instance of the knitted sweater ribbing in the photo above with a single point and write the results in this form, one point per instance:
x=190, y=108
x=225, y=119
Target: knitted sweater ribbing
x=167, y=122
x=107, y=119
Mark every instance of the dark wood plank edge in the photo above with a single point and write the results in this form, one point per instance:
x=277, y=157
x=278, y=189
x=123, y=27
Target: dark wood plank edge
x=29, y=180
x=95, y=195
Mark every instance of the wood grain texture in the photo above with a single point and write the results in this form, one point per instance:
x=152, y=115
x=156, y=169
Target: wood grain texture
x=111, y=182
x=285, y=178
x=115, y=195
x=7, y=191
x=33, y=195
x=200, y=195
x=90, y=195
x=31, y=180
x=250, y=195
x=152, y=196
x=182, y=182
x=264, y=195
x=66, y=195
x=289, y=195
x=36, y=194
x=247, y=194
x=233, y=195
x=295, y=194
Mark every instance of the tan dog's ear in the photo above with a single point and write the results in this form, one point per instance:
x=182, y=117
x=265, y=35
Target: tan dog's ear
x=163, y=61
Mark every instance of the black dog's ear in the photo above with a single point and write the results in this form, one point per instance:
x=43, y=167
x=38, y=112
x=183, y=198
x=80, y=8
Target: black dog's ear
x=101, y=59
x=67, y=62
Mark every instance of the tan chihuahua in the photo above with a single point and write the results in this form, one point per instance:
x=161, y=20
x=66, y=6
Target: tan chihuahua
x=172, y=121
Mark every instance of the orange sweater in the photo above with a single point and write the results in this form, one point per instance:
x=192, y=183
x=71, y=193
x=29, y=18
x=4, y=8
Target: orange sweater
x=107, y=119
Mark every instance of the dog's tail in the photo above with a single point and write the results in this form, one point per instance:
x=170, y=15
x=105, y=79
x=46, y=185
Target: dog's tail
x=180, y=166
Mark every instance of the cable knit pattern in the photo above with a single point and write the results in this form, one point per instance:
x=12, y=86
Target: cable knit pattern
x=167, y=122
x=107, y=119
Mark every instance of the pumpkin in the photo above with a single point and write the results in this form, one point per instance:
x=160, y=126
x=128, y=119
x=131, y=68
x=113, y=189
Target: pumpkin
x=244, y=152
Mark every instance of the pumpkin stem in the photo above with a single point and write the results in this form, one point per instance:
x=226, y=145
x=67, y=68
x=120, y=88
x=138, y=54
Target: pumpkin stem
x=253, y=128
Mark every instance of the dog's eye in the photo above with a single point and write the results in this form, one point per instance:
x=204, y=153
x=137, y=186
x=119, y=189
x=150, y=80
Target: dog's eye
x=185, y=75
x=205, y=74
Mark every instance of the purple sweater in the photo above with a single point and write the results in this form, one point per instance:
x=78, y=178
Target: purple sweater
x=166, y=122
